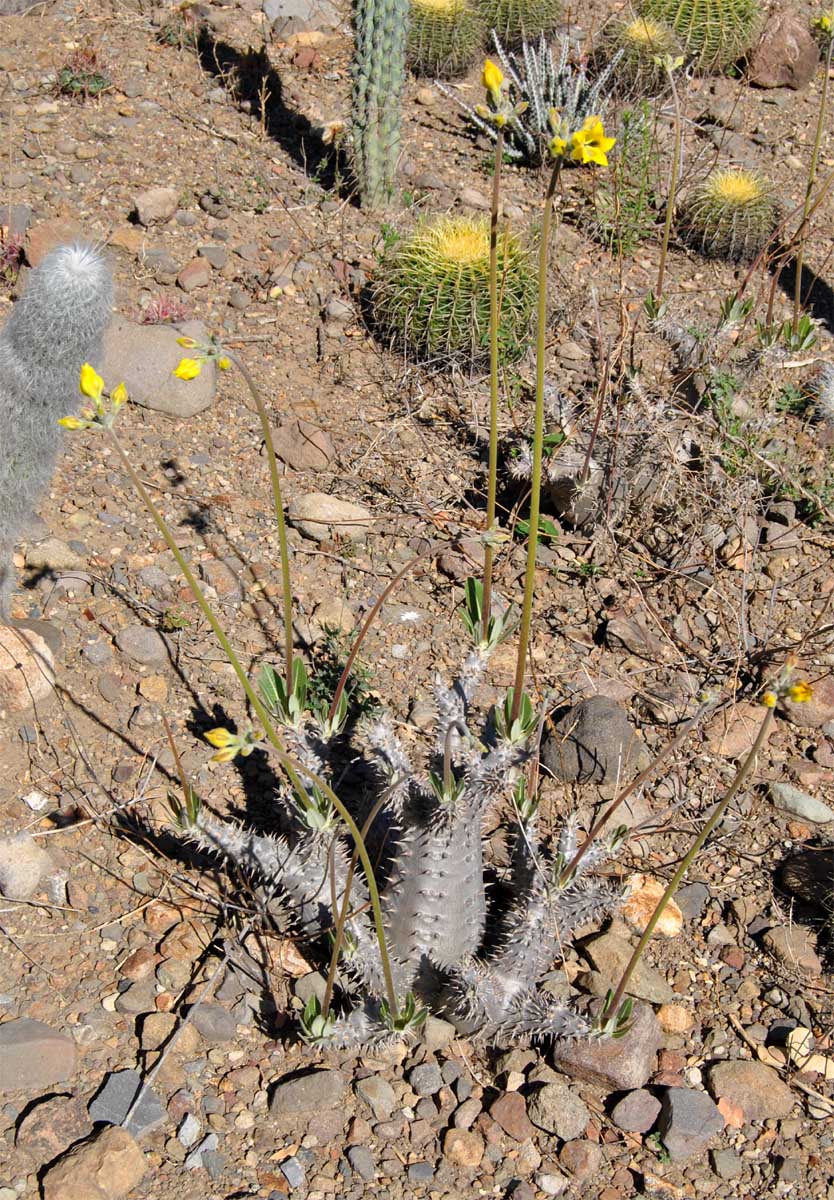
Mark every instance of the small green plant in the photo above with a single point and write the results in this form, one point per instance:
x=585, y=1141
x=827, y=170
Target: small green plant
x=732, y=214
x=714, y=32
x=794, y=400
x=626, y=199
x=444, y=37
x=517, y=21
x=641, y=45
x=431, y=296
x=82, y=75
x=785, y=337
x=173, y=619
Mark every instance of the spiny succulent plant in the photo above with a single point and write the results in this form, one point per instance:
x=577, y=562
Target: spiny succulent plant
x=537, y=84
x=378, y=70
x=431, y=297
x=732, y=214
x=640, y=42
x=715, y=32
x=517, y=21
x=54, y=328
x=444, y=37
x=447, y=951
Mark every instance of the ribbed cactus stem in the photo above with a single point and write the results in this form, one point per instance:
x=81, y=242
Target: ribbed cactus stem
x=378, y=79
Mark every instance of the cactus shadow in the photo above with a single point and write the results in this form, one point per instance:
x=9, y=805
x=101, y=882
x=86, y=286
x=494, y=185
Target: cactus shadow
x=817, y=295
x=253, y=82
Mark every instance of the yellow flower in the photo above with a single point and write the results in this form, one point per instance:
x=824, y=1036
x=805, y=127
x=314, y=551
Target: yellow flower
x=224, y=363
x=492, y=78
x=91, y=383
x=187, y=343
x=769, y=699
x=590, y=145
x=220, y=737
x=557, y=147
x=118, y=396
x=71, y=422
x=225, y=755
x=189, y=368
x=800, y=693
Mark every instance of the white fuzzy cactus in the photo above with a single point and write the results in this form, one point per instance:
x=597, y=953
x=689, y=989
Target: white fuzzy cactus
x=55, y=327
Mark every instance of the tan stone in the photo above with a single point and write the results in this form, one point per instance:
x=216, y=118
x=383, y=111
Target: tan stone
x=154, y=688
x=27, y=670
x=644, y=895
x=675, y=1018
x=106, y=1168
x=463, y=1147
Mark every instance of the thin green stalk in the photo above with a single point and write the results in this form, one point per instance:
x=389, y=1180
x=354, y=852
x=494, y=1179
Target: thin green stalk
x=492, y=481
x=716, y=818
x=812, y=176
x=538, y=441
x=263, y=716
x=673, y=186
x=279, y=514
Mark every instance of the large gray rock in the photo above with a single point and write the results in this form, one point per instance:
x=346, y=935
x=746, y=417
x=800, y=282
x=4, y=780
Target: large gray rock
x=800, y=804
x=556, y=1108
x=609, y=955
x=322, y=517
x=297, y=16
x=619, y=1064
x=305, y=1093
x=34, y=1056
x=114, y=1098
x=687, y=1121
x=144, y=358
x=592, y=742
x=23, y=865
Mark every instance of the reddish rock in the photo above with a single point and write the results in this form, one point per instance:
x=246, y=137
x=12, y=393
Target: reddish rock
x=195, y=274
x=140, y=964
x=614, y=1064
x=44, y=237
x=51, y=1126
x=34, y=1056
x=636, y=1112
x=733, y=956
x=581, y=1158
x=757, y=1089
x=786, y=54
x=510, y=1111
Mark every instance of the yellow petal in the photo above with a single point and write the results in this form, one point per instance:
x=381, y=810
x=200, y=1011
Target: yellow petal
x=91, y=383
x=769, y=699
x=492, y=77
x=224, y=755
x=220, y=737
x=118, y=396
x=189, y=368
x=187, y=343
x=800, y=693
x=71, y=423
x=224, y=363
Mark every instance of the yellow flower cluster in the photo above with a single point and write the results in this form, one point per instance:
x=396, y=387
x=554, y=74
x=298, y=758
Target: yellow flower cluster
x=99, y=415
x=190, y=368
x=229, y=745
x=583, y=146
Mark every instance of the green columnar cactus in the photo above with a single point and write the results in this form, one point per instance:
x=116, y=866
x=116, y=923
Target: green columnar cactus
x=714, y=32
x=444, y=37
x=517, y=21
x=732, y=214
x=432, y=300
x=641, y=44
x=378, y=81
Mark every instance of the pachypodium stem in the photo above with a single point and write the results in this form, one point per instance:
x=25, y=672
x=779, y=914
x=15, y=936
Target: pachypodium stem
x=492, y=481
x=812, y=178
x=686, y=862
x=538, y=443
x=279, y=515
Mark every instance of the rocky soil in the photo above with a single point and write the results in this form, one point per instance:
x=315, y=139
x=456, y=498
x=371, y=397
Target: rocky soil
x=123, y=956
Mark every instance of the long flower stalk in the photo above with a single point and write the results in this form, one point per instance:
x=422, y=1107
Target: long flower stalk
x=673, y=181
x=812, y=178
x=538, y=443
x=492, y=481
x=286, y=761
x=613, y=1004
